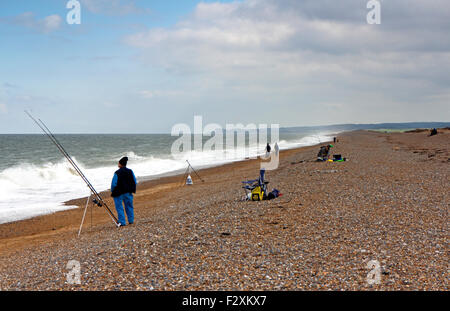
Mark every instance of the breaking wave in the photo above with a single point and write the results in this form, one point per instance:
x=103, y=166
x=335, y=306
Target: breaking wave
x=28, y=190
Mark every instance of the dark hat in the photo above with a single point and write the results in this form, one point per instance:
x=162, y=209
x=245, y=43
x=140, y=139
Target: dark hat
x=123, y=161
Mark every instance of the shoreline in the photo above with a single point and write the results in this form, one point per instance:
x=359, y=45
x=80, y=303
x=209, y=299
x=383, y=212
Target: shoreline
x=145, y=179
x=43, y=227
x=63, y=204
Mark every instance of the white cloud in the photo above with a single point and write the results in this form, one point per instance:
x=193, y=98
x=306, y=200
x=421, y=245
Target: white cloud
x=50, y=23
x=306, y=52
x=46, y=25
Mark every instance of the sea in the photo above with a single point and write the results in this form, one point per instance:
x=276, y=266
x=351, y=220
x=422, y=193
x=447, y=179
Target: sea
x=36, y=179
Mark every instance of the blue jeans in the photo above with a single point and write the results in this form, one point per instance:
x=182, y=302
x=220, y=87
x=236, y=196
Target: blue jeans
x=127, y=200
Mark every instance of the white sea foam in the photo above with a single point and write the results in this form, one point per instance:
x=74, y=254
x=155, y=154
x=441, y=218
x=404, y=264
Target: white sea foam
x=29, y=190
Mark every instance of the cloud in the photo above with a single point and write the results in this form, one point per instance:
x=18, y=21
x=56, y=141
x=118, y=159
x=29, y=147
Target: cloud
x=46, y=25
x=303, y=53
x=113, y=7
x=296, y=26
x=50, y=23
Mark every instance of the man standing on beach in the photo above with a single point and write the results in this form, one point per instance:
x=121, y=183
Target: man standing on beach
x=122, y=188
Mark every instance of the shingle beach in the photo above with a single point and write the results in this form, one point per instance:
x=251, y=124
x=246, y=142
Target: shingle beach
x=389, y=203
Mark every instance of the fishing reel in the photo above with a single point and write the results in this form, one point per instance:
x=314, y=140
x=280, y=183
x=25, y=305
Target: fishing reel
x=97, y=202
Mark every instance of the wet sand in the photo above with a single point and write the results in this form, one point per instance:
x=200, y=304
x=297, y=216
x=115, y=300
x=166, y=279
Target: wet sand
x=388, y=203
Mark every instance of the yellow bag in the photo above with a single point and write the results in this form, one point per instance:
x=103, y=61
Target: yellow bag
x=257, y=194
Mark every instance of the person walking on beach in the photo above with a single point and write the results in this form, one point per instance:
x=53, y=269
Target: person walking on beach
x=122, y=188
x=268, y=148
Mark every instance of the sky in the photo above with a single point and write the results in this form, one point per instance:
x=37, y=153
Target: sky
x=136, y=66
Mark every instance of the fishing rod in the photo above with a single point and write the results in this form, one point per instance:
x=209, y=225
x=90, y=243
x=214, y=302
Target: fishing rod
x=189, y=165
x=98, y=200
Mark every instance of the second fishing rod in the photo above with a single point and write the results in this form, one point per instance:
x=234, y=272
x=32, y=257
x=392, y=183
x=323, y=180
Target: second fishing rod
x=98, y=199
